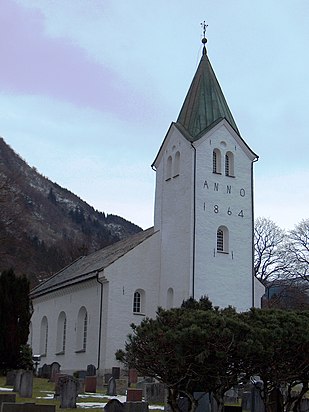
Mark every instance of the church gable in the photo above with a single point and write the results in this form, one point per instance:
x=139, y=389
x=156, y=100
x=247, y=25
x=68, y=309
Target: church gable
x=223, y=134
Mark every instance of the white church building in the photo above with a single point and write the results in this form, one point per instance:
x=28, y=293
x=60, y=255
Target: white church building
x=201, y=242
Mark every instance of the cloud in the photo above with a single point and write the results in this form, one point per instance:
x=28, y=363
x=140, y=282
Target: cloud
x=33, y=63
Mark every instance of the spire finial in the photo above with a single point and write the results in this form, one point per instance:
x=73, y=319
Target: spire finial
x=204, y=40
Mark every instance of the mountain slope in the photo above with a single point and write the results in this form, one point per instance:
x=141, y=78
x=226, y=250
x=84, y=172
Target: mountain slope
x=43, y=226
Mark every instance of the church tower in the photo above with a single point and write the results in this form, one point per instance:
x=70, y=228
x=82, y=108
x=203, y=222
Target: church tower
x=204, y=201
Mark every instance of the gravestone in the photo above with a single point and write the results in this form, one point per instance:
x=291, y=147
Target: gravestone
x=10, y=378
x=27, y=407
x=57, y=386
x=81, y=374
x=122, y=385
x=257, y=404
x=91, y=370
x=232, y=408
x=68, y=391
x=17, y=380
x=134, y=395
x=116, y=372
x=111, y=387
x=132, y=376
x=26, y=384
x=246, y=401
x=136, y=407
x=91, y=384
x=114, y=406
x=154, y=392
x=45, y=371
x=54, y=370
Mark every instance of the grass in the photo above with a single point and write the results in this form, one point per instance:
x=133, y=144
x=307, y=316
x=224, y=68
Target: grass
x=42, y=386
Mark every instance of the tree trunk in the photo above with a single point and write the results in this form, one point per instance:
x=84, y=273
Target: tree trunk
x=172, y=399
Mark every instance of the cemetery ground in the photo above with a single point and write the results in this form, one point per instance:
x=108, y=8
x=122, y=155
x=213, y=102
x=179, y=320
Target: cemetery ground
x=43, y=393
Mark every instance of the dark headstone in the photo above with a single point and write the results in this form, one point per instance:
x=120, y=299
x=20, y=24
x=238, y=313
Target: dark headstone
x=91, y=370
x=136, y=407
x=116, y=372
x=132, y=376
x=10, y=378
x=45, y=371
x=114, y=406
x=54, y=370
x=91, y=384
x=232, y=408
x=134, y=395
x=27, y=407
x=68, y=391
x=111, y=387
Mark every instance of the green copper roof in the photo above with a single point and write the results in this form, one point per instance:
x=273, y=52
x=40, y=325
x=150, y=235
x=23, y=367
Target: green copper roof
x=205, y=102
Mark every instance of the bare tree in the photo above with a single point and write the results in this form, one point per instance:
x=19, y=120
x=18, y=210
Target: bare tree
x=297, y=251
x=269, y=241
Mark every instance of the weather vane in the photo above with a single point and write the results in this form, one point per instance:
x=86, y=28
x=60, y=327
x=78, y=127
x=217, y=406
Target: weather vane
x=204, y=26
x=204, y=40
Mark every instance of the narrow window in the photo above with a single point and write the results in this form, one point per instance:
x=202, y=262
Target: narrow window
x=223, y=239
x=229, y=164
x=170, y=298
x=137, y=302
x=44, y=336
x=81, y=330
x=61, y=333
x=216, y=161
x=176, y=164
x=169, y=168
x=85, y=331
x=220, y=240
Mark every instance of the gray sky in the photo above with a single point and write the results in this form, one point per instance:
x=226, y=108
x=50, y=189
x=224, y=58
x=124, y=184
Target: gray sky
x=88, y=89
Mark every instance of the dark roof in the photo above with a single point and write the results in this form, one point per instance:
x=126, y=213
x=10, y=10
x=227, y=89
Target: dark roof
x=87, y=267
x=205, y=103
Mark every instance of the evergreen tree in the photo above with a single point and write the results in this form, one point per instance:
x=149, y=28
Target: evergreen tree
x=15, y=314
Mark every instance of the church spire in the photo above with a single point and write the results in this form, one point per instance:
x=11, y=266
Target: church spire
x=205, y=103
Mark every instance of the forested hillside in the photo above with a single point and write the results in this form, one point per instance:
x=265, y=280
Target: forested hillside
x=43, y=226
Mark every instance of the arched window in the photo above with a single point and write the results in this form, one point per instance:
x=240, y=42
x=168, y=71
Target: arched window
x=176, y=165
x=81, y=332
x=169, y=168
x=170, y=298
x=61, y=333
x=43, y=336
x=216, y=161
x=229, y=164
x=223, y=239
x=139, y=301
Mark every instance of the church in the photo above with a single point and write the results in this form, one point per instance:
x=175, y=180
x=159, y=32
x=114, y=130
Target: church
x=201, y=242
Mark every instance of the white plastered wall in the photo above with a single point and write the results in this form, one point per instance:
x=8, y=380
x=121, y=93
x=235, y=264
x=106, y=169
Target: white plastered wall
x=68, y=300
